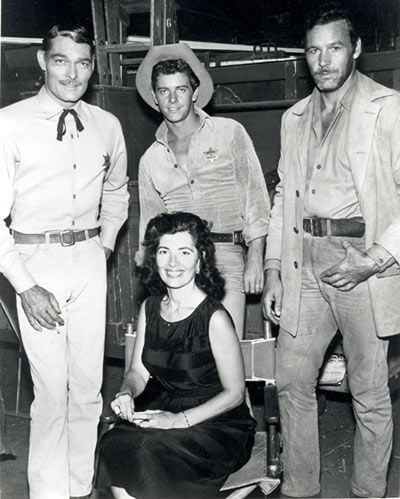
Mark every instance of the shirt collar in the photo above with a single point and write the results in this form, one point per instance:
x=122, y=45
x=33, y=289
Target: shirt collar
x=347, y=98
x=205, y=120
x=51, y=108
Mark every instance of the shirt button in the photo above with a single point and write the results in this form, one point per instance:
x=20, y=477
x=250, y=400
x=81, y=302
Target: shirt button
x=175, y=165
x=295, y=265
x=192, y=181
x=73, y=222
x=74, y=196
x=313, y=191
x=296, y=230
x=318, y=167
x=72, y=135
x=297, y=194
x=74, y=167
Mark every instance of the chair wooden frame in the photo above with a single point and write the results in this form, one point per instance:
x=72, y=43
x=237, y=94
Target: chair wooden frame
x=9, y=306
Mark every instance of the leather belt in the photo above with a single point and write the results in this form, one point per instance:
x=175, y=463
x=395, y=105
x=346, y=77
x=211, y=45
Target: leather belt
x=63, y=237
x=321, y=227
x=235, y=237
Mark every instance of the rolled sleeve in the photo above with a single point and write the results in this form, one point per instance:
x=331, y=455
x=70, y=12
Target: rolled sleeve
x=272, y=264
x=252, y=186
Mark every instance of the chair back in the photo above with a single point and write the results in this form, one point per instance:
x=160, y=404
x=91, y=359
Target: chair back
x=9, y=304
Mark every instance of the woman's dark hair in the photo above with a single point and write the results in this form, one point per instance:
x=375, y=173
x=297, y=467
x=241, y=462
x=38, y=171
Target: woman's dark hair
x=77, y=33
x=172, y=66
x=208, y=279
x=330, y=12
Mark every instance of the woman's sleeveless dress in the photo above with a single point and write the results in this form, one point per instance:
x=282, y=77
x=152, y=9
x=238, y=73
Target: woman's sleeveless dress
x=189, y=462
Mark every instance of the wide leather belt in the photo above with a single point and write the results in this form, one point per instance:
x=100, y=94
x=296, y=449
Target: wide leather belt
x=63, y=237
x=235, y=237
x=345, y=227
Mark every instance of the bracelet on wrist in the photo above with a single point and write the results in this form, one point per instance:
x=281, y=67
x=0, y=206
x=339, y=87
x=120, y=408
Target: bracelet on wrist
x=125, y=392
x=186, y=418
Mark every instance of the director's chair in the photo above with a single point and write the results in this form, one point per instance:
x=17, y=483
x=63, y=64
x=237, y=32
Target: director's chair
x=9, y=306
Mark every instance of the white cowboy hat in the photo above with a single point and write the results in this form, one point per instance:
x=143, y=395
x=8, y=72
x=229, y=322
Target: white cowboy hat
x=159, y=53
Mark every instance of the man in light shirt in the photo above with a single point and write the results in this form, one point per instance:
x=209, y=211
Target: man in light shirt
x=333, y=253
x=204, y=165
x=63, y=181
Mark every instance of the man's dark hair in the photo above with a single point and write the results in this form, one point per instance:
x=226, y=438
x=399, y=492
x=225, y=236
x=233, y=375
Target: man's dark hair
x=172, y=66
x=77, y=33
x=208, y=279
x=330, y=12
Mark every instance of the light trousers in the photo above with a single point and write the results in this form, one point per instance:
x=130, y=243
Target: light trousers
x=230, y=263
x=66, y=367
x=323, y=310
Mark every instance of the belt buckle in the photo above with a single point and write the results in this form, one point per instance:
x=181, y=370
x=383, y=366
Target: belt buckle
x=237, y=237
x=67, y=238
x=316, y=227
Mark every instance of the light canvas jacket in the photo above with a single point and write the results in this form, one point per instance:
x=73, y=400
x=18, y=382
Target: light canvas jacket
x=373, y=152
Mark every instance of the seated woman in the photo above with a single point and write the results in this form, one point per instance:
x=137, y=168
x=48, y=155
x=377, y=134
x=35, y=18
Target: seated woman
x=199, y=429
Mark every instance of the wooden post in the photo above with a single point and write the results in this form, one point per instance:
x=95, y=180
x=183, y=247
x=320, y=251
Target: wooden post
x=100, y=38
x=163, y=23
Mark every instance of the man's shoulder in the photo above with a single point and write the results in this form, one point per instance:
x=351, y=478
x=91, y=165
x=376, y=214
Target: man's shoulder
x=299, y=107
x=99, y=113
x=371, y=93
x=374, y=90
x=223, y=122
x=20, y=107
x=151, y=153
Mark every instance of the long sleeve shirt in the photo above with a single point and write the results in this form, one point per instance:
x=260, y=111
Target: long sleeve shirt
x=50, y=185
x=222, y=182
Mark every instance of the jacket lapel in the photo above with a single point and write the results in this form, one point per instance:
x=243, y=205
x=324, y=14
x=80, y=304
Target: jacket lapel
x=364, y=113
x=360, y=138
x=304, y=116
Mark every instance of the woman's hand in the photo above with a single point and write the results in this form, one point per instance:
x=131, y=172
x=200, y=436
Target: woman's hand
x=160, y=419
x=124, y=406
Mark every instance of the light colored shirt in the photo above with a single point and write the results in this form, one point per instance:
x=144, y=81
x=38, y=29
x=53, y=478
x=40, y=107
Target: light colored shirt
x=330, y=189
x=45, y=184
x=222, y=181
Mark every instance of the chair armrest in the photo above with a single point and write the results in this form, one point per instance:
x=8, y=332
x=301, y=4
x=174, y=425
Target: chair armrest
x=271, y=414
x=108, y=418
x=271, y=405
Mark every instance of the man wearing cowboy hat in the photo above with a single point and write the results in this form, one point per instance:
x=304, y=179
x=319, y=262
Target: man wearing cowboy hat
x=204, y=165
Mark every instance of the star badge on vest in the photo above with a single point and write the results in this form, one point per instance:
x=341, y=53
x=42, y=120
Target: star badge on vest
x=211, y=155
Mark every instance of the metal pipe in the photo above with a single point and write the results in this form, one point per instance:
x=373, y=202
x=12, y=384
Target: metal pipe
x=253, y=106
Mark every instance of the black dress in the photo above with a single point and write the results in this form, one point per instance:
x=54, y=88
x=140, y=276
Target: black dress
x=186, y=462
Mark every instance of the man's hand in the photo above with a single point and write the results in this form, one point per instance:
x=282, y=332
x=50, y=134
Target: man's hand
x=355, y=267
x=272, y=296
x=41, y=308
x=253, y=269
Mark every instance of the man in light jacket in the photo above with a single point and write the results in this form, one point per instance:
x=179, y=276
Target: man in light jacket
x=333, y=253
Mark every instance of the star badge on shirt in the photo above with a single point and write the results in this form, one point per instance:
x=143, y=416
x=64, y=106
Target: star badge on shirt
x=107, y=162
x=211, y=155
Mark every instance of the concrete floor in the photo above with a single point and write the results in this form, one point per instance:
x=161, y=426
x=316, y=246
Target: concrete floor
x=336, y=435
